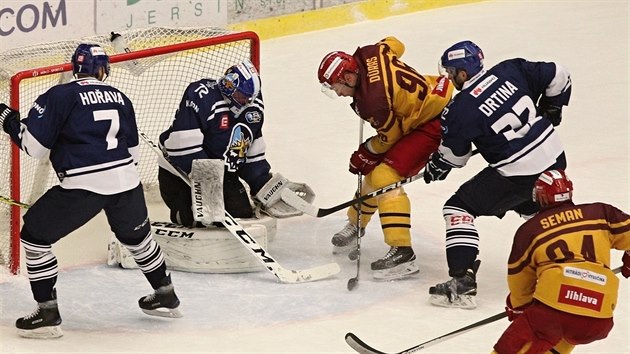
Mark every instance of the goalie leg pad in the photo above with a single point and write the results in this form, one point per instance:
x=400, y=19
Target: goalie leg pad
x=207, y=250
x=200, y=250
x=206, y=178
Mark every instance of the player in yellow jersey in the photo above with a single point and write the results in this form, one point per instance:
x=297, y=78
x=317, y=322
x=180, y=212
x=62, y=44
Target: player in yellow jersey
x=562, y=291
x=403, y=107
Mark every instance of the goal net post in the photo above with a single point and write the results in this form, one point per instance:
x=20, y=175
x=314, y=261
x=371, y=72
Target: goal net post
x=161, y=63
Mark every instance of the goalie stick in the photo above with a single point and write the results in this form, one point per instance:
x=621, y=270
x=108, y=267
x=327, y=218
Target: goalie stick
x=283, y=274
x=300, y=204
x=361, y=347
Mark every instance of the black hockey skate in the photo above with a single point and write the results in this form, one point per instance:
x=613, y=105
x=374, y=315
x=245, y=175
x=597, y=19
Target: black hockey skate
x=43, y=323
x=399, y=262
x=345, y=241
x=458, y=292
x=163, y=302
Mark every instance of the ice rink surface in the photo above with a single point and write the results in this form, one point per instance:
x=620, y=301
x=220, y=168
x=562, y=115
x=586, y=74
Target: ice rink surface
x=310, y=138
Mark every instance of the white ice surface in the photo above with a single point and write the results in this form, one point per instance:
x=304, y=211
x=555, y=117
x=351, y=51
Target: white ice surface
x=309, y=139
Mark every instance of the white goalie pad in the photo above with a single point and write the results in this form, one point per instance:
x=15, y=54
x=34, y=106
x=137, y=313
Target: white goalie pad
x=206, y=179
x=269, y=196
x=201, y=250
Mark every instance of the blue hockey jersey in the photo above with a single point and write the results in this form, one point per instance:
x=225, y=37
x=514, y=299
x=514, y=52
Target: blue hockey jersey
x=207, y=126
x=89, y=128
x=496, y=111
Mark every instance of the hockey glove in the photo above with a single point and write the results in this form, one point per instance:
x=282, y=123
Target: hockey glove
x=436, y=169
x=7, y=114
x=512, y=312
x=552, y=113
x=625, y=269
x=363, y=161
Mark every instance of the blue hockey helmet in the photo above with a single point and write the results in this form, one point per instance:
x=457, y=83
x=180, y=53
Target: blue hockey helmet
x=464, y=55
x=89, y=59
x=240, y=84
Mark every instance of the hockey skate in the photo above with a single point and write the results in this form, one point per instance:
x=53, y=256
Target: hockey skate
x=459, y=292
x=344, y=241
x=399, y=262
x=43, y=323
x=163, y=302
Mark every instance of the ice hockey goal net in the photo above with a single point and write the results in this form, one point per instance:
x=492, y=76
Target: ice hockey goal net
x=154, y=74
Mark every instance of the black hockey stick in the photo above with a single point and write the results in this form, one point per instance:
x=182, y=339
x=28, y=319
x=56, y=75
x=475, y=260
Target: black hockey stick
x=283, y=274
x=361, y=347
x=300, y=204
x=354, y=281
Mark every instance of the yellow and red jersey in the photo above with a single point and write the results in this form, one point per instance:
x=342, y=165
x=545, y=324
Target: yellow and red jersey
x=392, y=96
x=561, y=257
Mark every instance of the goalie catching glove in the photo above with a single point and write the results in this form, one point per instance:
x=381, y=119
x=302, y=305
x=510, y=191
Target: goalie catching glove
x=269, y=196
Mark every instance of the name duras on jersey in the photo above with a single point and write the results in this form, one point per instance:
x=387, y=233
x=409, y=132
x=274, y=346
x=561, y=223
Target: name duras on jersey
x=101, y=96
x=373, y=71
x=497, y=98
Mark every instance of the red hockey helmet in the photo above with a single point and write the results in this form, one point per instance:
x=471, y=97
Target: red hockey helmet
x=552, y=187
x=333, y=66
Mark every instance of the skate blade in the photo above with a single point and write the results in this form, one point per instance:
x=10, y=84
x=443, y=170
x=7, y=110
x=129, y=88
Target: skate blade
x=164, y=312
x=49, y=332
x=398, y=272
x=467, y=302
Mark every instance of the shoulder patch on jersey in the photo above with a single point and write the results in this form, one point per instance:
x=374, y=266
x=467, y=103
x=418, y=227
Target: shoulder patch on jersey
x=253, y=117
x=483, y=85
x=441, y=89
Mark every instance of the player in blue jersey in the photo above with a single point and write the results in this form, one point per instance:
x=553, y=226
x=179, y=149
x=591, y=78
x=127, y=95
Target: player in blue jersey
x=222, y=120
x=89, y=129
x=508, y=112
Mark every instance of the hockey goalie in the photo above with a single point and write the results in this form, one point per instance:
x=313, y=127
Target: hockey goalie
x=216, y=139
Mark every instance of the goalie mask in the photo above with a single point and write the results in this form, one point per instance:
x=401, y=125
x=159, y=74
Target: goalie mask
x=240, y=84
x=552, y=187
x=89, y=59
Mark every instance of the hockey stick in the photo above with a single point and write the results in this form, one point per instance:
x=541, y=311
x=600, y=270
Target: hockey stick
x=361, y=347
x=283, y=274
x=353, y=282
x=10, y=201
x=300, y=204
